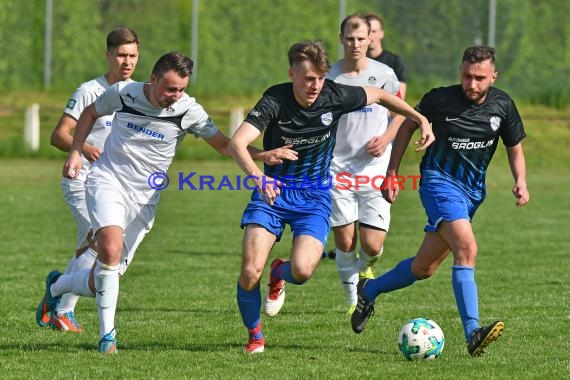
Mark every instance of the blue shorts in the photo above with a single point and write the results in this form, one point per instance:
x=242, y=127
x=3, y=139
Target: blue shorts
x=306, y=211
x=445, y=202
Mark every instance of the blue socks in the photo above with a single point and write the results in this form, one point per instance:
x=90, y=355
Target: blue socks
x=465, y=289
x=397, y=278
x=249, y=304
x=462, y=280
x=283, y=272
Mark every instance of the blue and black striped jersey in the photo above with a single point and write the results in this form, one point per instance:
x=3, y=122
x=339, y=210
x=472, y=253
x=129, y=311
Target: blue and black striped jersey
x=311, y=131
x=466, y=135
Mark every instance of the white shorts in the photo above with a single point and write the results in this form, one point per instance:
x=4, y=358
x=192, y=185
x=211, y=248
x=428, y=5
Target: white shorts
x=74, y=196
x=109, y=205
x=365, y=205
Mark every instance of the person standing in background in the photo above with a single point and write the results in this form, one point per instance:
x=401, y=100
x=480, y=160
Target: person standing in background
x=363, y=146
x=378, y=53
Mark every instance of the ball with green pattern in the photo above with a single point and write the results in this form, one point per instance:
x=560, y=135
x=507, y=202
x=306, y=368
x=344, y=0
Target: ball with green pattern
x=421, y=339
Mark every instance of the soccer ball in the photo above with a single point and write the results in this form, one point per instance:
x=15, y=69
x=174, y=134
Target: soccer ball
x=421, y=339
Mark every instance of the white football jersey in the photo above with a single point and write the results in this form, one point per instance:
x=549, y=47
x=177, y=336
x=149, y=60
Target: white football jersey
x=83, y=96
x=356, y=128
x=144, y=138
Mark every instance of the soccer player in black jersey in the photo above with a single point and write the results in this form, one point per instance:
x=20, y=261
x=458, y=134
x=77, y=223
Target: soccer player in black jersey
x=467, y=119
x=302, y=114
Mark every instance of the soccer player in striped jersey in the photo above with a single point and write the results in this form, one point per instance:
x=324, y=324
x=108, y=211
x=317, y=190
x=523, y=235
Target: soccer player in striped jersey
x=363, y=146
x=122, y=57
x=468, y=119
x=304, y=114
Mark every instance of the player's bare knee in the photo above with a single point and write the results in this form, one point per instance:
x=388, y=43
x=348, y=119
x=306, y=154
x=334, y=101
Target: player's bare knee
x=372, y=249
x=302, y=275
x=249, y=278
x=465, y=254
x=421, y=272
x=344, y=245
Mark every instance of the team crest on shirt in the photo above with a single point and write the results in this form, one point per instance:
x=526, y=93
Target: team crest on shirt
x=71, y=103
x=495, y=122
x=372, y=80
x=327, y=118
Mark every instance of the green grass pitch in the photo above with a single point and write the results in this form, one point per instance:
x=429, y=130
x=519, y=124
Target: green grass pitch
x=177, y=315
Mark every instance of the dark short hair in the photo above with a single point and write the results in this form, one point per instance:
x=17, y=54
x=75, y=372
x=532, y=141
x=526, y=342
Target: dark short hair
x=312, y=51
x=121, y=36
x=176, y=61
x=355, y=20
x=375, y=16
x=480, y=53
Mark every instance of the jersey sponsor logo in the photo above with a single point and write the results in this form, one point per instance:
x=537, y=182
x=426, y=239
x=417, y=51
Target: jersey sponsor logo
x=364, y=110
x=465, y=143
x=71, y=103
x=495, y=122
x=146, y=131
x=305, y=140
x=327, y=118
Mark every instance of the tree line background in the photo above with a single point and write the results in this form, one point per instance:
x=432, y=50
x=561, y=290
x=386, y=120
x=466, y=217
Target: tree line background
x=243, y=43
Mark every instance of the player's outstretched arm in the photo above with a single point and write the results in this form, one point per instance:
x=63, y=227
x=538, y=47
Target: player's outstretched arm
x=239, y=143
x=395, y=104
x=378, y=144
x=274, y=156
x=518, y=168
x=221, y=143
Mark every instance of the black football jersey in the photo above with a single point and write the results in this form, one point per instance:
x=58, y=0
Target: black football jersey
x=466, y=134
x=395, y=62
x=311, y=131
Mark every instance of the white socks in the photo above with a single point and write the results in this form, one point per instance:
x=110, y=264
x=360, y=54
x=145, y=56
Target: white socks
x=347, y=267
x=107, y=292
x=365, y=261
x=76, y=264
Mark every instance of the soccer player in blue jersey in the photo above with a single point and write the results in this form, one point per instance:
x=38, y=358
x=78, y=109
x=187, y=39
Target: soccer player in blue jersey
x=304, y=114
x=467, y=121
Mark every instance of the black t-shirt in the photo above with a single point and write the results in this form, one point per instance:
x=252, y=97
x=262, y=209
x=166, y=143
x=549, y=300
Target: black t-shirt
x=395, y=62
x=466, y=134
x=311, y=131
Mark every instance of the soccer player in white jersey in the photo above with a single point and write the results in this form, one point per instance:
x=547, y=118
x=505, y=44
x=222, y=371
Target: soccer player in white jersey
x=150, y=121
x=122, y=57
x=361, y=156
